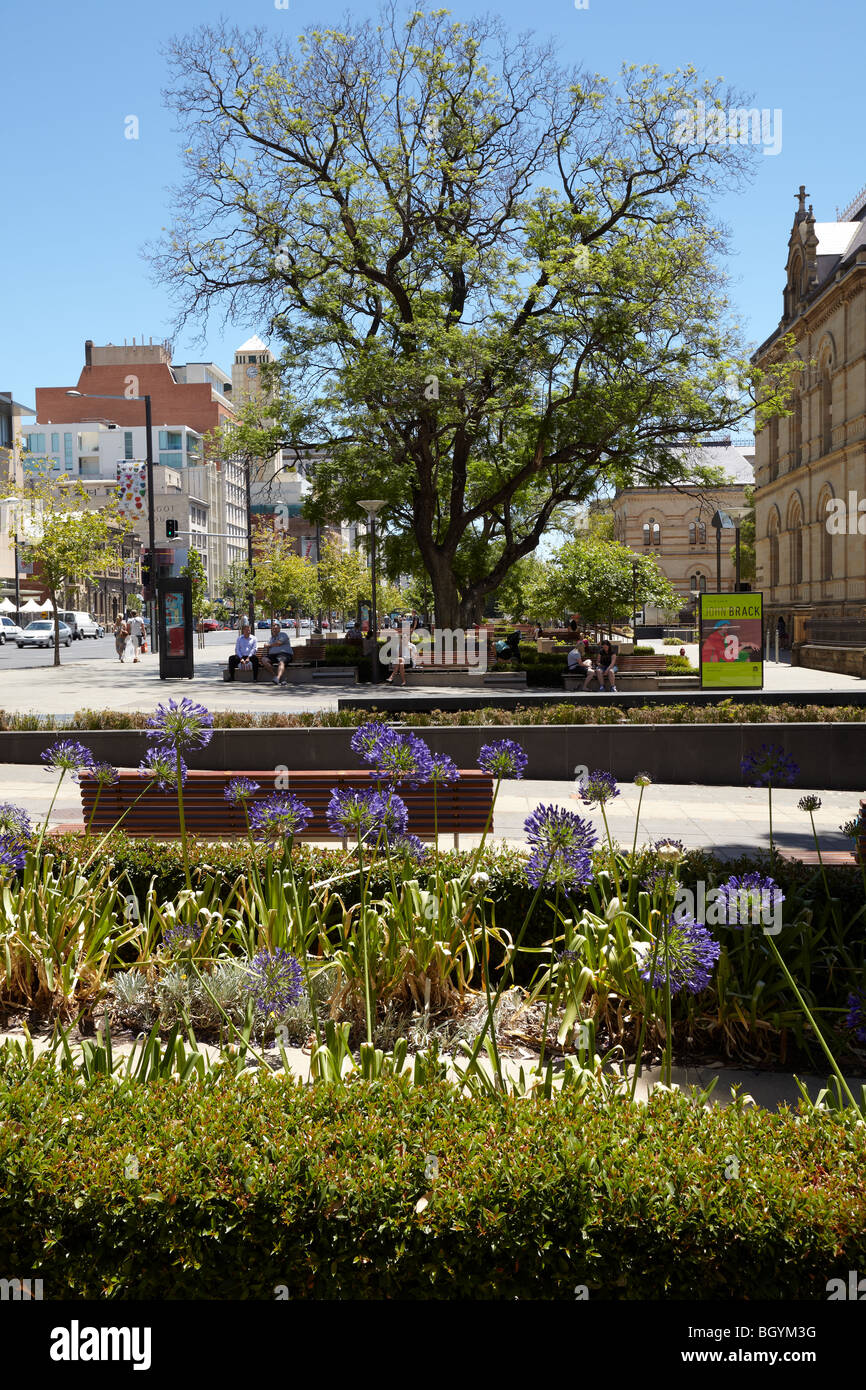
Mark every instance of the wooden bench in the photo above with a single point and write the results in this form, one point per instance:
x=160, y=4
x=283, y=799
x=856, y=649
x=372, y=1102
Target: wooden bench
x=462, y=807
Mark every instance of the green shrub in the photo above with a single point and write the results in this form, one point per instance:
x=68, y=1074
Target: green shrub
x=643, y=651
x=676, y=665
x=254, y=1187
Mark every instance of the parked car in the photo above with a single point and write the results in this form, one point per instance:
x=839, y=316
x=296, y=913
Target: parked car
x=208, y=625
x=41, y=634
x=8, y=630
x=80, y=624
x=264, y=624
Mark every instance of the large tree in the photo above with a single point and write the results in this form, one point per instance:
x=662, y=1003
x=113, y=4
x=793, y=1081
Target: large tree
x=66, y=539
x=496, y=281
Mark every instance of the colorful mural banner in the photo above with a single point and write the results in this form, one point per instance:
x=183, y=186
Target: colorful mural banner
x=732, y=638
x=132, y=489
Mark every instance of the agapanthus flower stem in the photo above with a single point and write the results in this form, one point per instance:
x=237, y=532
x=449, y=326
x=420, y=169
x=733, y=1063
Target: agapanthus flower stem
x=633, y=851
x=817, y=1031
x=182, y=819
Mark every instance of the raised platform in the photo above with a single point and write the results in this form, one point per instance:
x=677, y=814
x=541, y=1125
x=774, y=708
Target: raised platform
x=464, y=677
x=387, y=699
x=298, y=673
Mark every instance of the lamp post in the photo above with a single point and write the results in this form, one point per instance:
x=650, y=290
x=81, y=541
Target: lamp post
x=372, y=507
x=722, y=522
x=151, y=507
x=738, y=516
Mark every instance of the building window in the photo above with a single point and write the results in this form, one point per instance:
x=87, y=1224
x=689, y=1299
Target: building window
x=797, y=433
x=55, y=443
x=699, y=581
x=36, y=443
x=67, y=451
x=795, y=531
x=693, y=533
x=647, y=535
x=127, y=444
x=826, y=538
x=702, y=533
x=170, y=440
x=170, y=460
x=826, y=412
x=773, y=436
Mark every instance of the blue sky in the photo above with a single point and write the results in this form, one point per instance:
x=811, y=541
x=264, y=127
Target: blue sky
x=81, y=199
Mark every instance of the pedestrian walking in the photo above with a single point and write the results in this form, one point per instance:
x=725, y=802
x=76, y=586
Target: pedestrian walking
x=136, y=632
x=121, y=637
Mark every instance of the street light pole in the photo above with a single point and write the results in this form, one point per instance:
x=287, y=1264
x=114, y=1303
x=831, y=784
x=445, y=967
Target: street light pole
x=634, y=600
x=371, y=508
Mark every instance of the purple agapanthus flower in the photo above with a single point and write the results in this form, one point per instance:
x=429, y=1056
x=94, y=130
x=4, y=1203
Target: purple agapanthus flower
x=240, y=790
x=68, y=756
x=13, y=852
x=855, y=1019
x=503, y=759
x=692, y=953
x=160, y=765
x=276, y=981
x=14, y=820
x=104, y=775
x=352, y=813
x=443, y=770
x=181, y=935
x=407, y=845
x=553, y=829
x=750, y=898
x=598, y=787
x=280, y=816
x=769, y=766
x=565, y=869
x=367, y=736
x=400, y=758
x=183, y=726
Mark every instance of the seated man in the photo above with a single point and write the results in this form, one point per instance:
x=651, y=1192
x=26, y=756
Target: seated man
x=279, y=651
x=579, y=660
x=244, y=654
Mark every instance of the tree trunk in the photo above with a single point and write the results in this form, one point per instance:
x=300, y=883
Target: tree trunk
x=56, y=629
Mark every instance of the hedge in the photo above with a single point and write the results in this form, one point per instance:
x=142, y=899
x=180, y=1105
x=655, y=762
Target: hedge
x=253, y=1186
x=563, y=712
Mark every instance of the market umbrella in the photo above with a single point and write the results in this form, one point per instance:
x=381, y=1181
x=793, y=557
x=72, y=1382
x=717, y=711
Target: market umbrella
x=6, y=606
x=31, y=606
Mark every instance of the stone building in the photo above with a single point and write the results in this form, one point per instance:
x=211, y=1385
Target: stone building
x=674, y=523
x=810, y=467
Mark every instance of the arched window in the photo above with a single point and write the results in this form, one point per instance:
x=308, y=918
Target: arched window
x=652, y=532
x=797, y=433
x=795, y=542
x=647, y=533
x=693, y=533
x=773, y=435
x=826, y=410
x=657, y=532
x=774, y=549
x=699, y=581
x=826, y=535
x=702, y=533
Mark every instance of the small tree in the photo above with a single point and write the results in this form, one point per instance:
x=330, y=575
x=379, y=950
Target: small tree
x=343, y=578
x=67, y=541
x=134, y=603
x=602, y=580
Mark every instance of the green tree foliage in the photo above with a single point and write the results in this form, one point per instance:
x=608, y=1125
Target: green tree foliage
x=285, y=581
x=599, y=579
x=748, y=568
x=68, y=542
x=238, y=585
x=497, y=282
x=344, y=578
x=194, y=571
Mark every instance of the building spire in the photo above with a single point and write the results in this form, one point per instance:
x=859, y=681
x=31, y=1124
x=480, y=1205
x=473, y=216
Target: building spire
x=801, y=203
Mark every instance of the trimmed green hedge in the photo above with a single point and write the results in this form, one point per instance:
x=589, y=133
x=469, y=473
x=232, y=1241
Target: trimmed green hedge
x=728, y=711
x=245, y=1188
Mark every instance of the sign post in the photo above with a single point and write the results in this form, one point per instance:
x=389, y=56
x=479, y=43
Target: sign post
x=732, y=641
x=174, y=610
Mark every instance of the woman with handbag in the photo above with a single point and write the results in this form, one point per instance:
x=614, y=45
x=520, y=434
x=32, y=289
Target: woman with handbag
x=121, y=637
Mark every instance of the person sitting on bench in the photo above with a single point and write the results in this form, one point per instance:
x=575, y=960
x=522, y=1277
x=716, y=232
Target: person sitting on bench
x=606, y=666
x=244, y=654
x=279, y=651
x=579, y=660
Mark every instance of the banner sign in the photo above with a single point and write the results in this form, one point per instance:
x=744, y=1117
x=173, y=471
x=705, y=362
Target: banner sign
x=732, y=642
x=132, y=489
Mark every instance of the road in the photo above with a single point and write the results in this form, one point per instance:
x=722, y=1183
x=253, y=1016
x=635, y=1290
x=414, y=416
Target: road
x=13, y=658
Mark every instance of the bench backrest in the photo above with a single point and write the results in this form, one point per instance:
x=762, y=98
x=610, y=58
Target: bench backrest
x=462, y=807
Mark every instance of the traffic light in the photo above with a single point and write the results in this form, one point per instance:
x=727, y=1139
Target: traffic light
x=146, y=571
x=171, y=529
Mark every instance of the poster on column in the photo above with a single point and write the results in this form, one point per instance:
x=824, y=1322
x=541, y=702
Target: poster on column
x=732, y=642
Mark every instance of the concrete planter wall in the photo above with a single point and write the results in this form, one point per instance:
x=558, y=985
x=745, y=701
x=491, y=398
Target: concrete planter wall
x=830, y=756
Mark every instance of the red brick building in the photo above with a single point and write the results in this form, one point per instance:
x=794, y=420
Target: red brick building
x=142, y=369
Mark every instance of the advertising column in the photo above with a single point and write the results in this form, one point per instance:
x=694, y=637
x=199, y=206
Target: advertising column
x=731, y=645
x=174, y=602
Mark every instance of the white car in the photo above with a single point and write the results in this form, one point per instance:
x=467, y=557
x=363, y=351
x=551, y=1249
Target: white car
x=8, y=630
x=41, y=634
